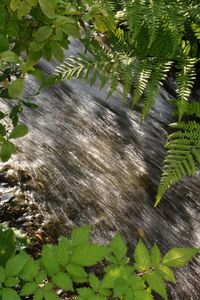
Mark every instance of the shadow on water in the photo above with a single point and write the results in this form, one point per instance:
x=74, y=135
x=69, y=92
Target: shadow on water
x=101, y=166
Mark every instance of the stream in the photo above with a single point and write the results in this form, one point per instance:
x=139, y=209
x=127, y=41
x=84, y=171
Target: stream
x=92, y=161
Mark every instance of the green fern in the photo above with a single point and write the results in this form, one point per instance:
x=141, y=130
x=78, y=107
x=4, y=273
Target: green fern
x=183, y=152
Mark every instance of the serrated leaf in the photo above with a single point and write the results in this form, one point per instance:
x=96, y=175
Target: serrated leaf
x=18, y=131
x=43, y=33
x=47, y=8
x=16, y=264
x=76, y=270
x=166, y=273
x=80, y=235
x=31, y=270
x=38, y=295
x=155, y=255
x=178, y=257
x=156, y=283
x=94, y=282
x=142, y=257
x=7, y=246
x=118, y=247
x=85, y=293
x=28, y=288
x=63, y=251
x=63, y=281
x=88, y=255
x=15, y=89
x=9, y=294
x=50, y=295
x=41, y=276
x=49, y=260
x=143, y=295
x=7, y=149
x=11, y=282
x=113, y=273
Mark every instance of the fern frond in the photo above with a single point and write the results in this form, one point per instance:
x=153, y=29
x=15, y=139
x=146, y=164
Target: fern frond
x=158, y=74
x=185, y=78
x=135, y=16
x=183, y=153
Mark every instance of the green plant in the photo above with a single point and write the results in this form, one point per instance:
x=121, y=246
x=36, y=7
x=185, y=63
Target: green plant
x=62, y=268
x=133, y=42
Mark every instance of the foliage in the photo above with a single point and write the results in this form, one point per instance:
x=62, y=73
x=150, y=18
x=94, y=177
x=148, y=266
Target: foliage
x=63, y=268
x=133, y=42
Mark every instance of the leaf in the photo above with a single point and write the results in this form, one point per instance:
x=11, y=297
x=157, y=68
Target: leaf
x=7, y=245
x=113, y=273
x=63, y=281
x=4, y=43
x=88, y=255
x=28, y=288
x=16, y=264
x=43, y=33
x=57, y=51
x=38, y=295
x=71, y=29
x=2, y=115
x=142, y=257
x=15, y=89
x=178, y=257
x=143, y=295
x=80, y=235
x=166, y=273
x=76, y=270
x=14, y=4
x=2, y=130
x=94, y=282
x=49, y=260
x=31, y=270
x=7, y=149
x=118, y=247
x=11, y=282
x=156, y=283
x=30, y=104
x=155, y=255
x=23, y=9
x=63, y=251
x=47, y=8
x=2, y=274
x=9, y=294
x=18, y=131
x=50, y=295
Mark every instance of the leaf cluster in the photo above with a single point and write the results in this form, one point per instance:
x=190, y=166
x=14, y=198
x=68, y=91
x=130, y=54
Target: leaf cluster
x=62, y=268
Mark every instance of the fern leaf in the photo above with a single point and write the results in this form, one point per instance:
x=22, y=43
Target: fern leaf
x=183, y=153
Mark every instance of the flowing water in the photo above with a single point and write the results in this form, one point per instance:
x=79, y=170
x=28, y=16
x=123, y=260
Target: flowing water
x=92, y=161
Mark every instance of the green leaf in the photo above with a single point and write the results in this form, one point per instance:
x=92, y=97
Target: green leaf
x=14, y=4
x=63, y=281
x=2, y=115
x=31, y=270
x=38, y=295
x=166, y=273
x=76, y=270
x=156, y=283
x=94, y=282
x=57, y=51
x=18, y=131
x=2, y=129
x=7, y=149
x=49, y=260
x=88, y=255
x=142, y=257
x=155, y=255
x=80, y=235
x=4, y=43
x=41, y=277
x=143, y=295
x=7, y=245
x=50, y=295
x=11, y=282
x=2, y=274
x=30, y=104
x=118, y=247
x=16, y=264
x=15, y=89
x=47, y=8
x=113, y=273
x=9, y=294
x=63, y=251
x=71, y=29
x=178, y=257
x=28, y=288
x=23, y=9
x=43, y=33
